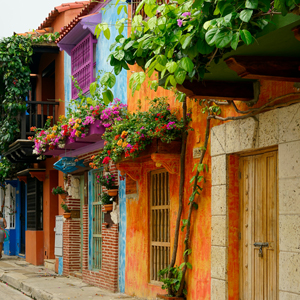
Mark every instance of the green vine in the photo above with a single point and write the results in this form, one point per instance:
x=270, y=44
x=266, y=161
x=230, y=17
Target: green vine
x=15, y=57
x=182, y=38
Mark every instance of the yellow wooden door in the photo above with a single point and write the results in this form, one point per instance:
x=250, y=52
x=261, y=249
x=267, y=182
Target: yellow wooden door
x=258, y=227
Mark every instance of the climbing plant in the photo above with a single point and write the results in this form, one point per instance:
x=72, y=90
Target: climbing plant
x=181, y=39
x=15, y=58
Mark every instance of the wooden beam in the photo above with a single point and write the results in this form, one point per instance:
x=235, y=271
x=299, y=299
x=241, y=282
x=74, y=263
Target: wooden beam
x=40, y=176
x=267, y=68
x=223, y=90
x=296, y=31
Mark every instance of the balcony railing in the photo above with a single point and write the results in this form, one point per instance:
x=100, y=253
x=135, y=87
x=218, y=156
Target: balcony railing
x=36, y=116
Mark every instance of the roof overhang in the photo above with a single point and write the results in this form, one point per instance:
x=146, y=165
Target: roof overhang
x=86, y=25
x=273, y=56
x=21, y=152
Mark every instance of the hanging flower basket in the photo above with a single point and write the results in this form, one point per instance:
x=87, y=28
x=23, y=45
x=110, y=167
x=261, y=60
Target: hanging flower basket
x=166, y=297
x=63, y=196
x=113, y=192
x=107, y=207
x=67, y=215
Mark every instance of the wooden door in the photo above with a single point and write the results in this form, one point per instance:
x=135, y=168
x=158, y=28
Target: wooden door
x=258, y=224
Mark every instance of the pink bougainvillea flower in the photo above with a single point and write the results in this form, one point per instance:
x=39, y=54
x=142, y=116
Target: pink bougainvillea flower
x=179, y=22
x=186, y=14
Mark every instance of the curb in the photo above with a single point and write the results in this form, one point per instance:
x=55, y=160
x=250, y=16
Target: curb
x=26, y=289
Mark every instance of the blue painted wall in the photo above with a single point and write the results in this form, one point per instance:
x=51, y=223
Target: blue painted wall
x=12, y=247
x=120, y=91
x=67, y=78
x=122, y=234
x=90, y=208
x=60, y=265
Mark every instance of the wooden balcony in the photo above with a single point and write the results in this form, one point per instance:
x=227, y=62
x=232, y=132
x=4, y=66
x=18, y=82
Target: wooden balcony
x=36, y=115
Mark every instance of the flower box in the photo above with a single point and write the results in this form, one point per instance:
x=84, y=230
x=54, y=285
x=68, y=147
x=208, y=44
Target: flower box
x=107, y=207
x=94, y=134
x=72, y=144
x=54, y=152
x=157, y=146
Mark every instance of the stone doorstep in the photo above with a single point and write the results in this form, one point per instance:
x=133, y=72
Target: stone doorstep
x=76, y=274
x=50, y=264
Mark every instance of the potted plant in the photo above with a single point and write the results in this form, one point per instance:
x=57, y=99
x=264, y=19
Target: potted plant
x=60, y=191
x=106, y=202
x=108, y=181
x=171, y=278
x=67, y=213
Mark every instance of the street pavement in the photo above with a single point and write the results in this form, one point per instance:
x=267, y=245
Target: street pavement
x=9, y=293
x=43, y=284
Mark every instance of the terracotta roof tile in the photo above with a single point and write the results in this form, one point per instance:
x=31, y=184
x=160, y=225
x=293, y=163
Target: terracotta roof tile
x=38, y=32
x=86, y=10
x=59, y=9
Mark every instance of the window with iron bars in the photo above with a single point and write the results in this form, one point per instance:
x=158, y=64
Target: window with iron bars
x=159, y=223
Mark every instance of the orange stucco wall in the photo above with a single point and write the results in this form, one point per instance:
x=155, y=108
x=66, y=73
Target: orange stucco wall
x=34, y=241
x=199, y=278
x=50, y=209
x=40, y=244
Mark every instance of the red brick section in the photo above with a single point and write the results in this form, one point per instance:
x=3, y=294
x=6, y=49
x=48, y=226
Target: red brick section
x=107, y=277
x=71, y=239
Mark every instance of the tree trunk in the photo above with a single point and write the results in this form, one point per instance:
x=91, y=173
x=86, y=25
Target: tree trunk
x=181, y=189
x=188, y=227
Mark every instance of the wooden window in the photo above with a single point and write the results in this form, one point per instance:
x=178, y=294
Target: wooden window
x=159, y=223
x=82, y=64
x=34, y=204
x=96, y=225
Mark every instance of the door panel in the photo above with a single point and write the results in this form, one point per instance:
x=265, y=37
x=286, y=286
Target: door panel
x=258, y=224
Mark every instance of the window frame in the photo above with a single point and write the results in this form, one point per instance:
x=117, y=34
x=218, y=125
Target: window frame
x=166, y=245
x=83, y=71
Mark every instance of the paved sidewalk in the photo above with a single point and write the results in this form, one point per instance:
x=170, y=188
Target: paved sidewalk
x=42, y=284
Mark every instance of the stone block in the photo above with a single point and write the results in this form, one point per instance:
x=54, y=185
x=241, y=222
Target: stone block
x=289, y=159
x=289, y=233
x=289, y=195
x=268, y=129
x=218, y=289
x=289, y=123
x=218, y=200
x=232, y=136
x=218, y=231
x=288, y=296
x=218, y=170
x=248, y=133
x=219, y=262
x=218, y=140
x=289, y=272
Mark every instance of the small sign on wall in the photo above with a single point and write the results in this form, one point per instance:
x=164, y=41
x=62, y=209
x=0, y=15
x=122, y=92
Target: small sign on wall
x=197, y=152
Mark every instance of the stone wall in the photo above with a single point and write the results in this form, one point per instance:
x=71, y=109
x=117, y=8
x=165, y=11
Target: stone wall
x=279, y=127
